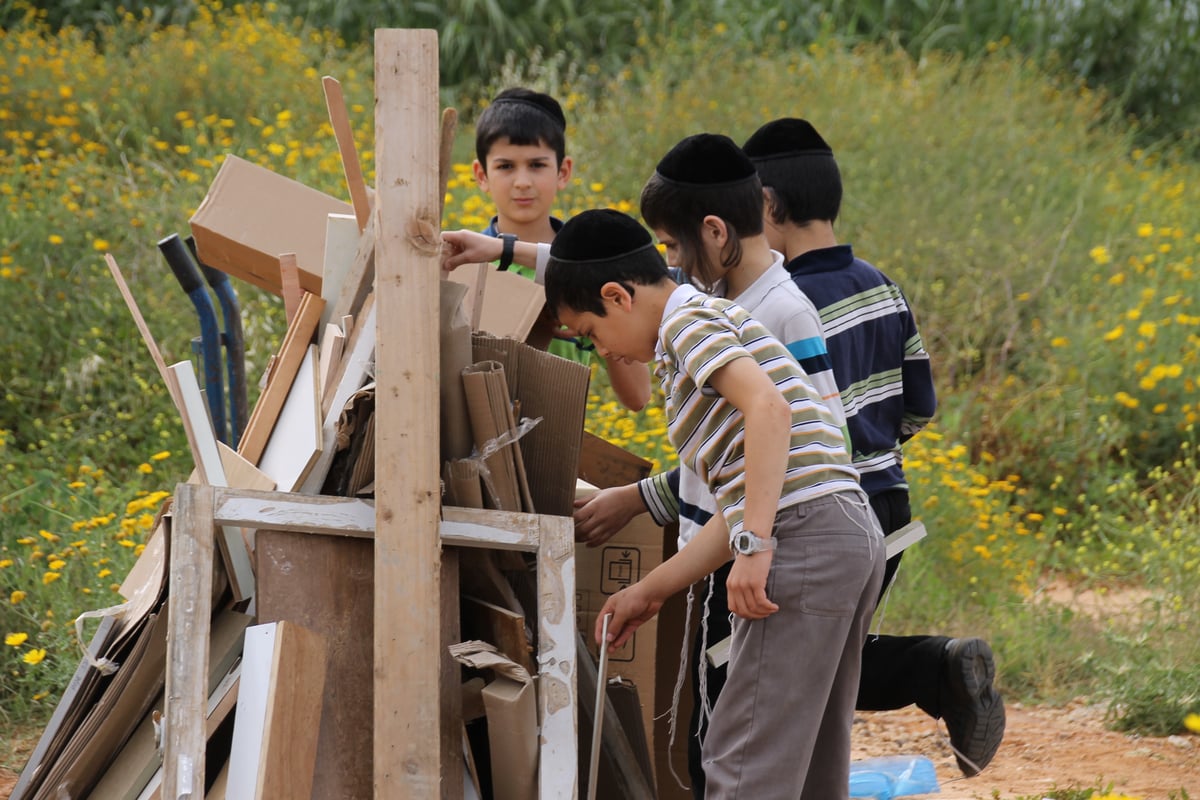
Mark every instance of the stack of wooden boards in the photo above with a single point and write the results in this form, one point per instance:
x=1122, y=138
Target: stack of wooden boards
x=288, y=621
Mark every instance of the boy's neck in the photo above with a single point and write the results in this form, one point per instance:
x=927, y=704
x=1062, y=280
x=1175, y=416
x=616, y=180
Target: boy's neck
x=756, y=259
x=813, y=235
x=540, y=231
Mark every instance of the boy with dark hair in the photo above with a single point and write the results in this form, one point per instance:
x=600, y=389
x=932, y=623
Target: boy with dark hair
x=887, y=390
x=745, y=418
x=705, y=204
x=521, y=163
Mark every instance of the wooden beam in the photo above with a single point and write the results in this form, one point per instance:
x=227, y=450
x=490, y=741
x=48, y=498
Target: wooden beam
x=558, y=764
x=408, y=658
x=188, y=618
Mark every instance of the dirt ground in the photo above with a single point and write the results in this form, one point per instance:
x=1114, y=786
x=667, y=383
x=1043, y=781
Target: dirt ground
x=1044, y=748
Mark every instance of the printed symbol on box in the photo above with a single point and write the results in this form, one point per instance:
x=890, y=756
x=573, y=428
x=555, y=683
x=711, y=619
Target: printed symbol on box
x=619, y=567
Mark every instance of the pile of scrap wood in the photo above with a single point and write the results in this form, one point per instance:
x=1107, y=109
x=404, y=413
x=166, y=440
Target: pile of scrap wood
x=242, y=605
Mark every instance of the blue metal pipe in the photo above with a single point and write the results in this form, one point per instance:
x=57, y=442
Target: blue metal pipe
x=188, y=275
x=235, y=345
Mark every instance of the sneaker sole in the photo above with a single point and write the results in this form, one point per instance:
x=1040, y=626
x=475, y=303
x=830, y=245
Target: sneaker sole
x=974, y=693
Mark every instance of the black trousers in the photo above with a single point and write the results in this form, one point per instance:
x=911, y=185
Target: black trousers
x=897, y=671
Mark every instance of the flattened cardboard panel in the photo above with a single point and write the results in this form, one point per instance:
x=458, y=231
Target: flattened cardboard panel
x=511, y=302
x=672, y=633
x=602, y=571
x=555, y=390
x=252, y=215
x=605, y=465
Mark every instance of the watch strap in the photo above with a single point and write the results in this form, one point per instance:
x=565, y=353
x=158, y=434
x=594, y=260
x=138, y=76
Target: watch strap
x=506, y=252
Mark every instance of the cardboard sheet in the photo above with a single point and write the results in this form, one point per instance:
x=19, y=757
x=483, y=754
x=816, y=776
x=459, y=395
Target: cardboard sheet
x=252, y=215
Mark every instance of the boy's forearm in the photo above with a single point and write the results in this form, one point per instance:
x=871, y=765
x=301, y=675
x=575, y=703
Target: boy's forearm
x=707, y=551
x=766, y=461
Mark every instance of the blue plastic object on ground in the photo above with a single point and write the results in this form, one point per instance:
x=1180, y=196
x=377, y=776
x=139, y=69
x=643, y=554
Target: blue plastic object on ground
x=892, y=776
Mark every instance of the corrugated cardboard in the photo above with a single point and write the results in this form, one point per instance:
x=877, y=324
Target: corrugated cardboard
x=602, y=571
x=554, y=389
x=252, y=215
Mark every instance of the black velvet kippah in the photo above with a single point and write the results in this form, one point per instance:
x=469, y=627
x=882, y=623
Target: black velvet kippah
x=706, y=159
x=542, y=102
x=600, y=234
x=785, y=138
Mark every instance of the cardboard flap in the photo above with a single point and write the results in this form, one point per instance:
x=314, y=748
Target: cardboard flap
x=511, y=302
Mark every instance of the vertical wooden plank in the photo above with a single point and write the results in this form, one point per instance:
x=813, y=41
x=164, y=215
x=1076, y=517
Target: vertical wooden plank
x=189, y=615
x=408, y=657
x=558, y=765
x=452, y=724
x=289, y=747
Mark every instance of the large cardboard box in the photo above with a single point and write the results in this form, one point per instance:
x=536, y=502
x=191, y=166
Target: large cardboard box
x=252, y=215
x=602, y=571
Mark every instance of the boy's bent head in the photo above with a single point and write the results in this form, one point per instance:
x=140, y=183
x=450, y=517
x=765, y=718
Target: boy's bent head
x=705, y=175
x=798, y=169
x=523, y=117
x=596, y=248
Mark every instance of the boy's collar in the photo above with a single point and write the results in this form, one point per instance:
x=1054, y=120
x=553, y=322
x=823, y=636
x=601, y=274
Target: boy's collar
x=493, y=228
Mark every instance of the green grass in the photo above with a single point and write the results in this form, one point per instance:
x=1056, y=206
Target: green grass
x=1049, y=258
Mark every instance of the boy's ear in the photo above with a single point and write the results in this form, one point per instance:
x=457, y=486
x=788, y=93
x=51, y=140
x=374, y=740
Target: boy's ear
x=618, y=295
x=714, y=229
x=564, y=172
x=480, y=174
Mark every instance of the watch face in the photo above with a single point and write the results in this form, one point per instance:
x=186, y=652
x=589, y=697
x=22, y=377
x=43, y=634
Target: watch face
x=744, y=543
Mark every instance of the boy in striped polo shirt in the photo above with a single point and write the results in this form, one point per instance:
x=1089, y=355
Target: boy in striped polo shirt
x=807, y=550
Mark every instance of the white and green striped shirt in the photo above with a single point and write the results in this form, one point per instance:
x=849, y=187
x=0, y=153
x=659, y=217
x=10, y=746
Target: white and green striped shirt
x=699, y=335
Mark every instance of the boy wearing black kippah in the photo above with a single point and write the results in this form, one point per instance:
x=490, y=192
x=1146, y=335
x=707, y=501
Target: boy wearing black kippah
x=807, y=552
x=883, y=374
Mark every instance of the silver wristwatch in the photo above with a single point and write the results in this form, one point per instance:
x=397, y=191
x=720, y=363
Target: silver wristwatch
x=747, y=543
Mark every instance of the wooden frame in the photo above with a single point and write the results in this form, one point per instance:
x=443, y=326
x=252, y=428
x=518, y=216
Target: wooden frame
x=200, y=509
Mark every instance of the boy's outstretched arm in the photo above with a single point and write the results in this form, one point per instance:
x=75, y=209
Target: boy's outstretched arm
x=638, y=603
x=472, y=247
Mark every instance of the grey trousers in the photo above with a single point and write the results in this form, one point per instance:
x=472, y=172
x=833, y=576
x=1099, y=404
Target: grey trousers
x=781, y=728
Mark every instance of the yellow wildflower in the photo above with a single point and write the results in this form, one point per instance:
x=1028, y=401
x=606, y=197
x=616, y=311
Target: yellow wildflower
x=16, y=639
x=16, y=597
x=34, y=656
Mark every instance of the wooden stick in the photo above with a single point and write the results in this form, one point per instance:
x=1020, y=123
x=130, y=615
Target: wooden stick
x=598, y=720
x=289, y=282
x=340, y=120
x=445, y=155
x=140, y=321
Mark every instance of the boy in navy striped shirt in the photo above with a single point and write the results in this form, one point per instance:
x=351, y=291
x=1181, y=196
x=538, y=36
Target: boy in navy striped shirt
x=884, y=377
